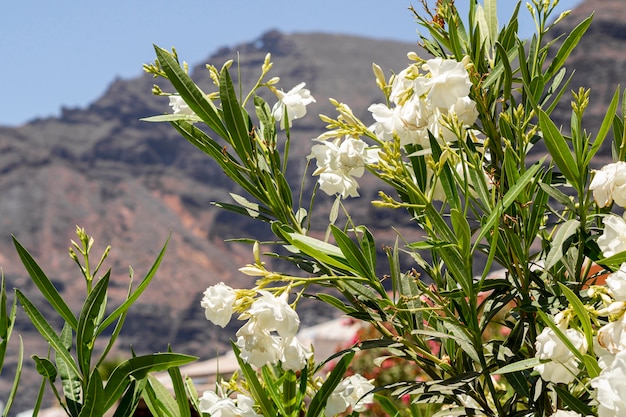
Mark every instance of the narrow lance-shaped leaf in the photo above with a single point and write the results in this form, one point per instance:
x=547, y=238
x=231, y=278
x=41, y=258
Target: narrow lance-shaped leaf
x=233, y=117
x=135, y=295
x=138, y=368
x=88, y=322
x=189, y=91
x=69, y=379
x=567, y=47
x=159, y=399
x=604, y=128
x=45, y=330
x=259, y=394
x=93, y=405
x=44, y=284
x=318, y=403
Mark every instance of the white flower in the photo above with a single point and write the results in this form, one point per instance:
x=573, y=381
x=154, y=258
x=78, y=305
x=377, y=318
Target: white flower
x=616, y=283
x=566, y=413
x=338, y=162
x=295, y=101
x=271, y=313
x=613, y=240
x=217, y=406
x=563, y=365
x=208, y=400
x=179, y=106
x=612, y=338
x=258, y=347
x=294, y=354
x=246, y=406
x=609, y=184
x=611, y=389
x=218, y=302
x=449, y=82
x=354, y=391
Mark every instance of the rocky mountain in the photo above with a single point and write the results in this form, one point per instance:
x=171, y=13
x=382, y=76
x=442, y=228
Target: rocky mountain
x=132, y=184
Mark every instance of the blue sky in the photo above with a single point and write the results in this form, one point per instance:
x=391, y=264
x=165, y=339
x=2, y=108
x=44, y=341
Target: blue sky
x=66, y=52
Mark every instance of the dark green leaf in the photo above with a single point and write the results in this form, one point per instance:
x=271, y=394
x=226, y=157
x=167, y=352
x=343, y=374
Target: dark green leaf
x=89, y=318
x=45, y=368
x=604, y=128
x=138, y=368
x=318, y=403
x=46, y=330
x=94, y=397
x=45, y=285
x=69, y=379
x=128, y=403
x=572, y=402
x=567, y=47
x=238, y=129
x=159, y=399
x=259, y=394
x=179, y=392
x=353, y=254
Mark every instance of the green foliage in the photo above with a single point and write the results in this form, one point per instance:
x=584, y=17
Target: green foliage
x=84, y=391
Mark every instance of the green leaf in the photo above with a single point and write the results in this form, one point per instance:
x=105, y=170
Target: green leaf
x=604, y=128
x=45, y=285
x=582, y=314
x=159, y=399
x=130, y=400
x=558, y=148
x=462, y=229
x=138, y=368
x=89, y=318
x=318, y=403
x=45, y=368
x=573, y=403
x=179, y=392
x=517, y=366
x=507, y=200
x=135, y=295
x=94, y=398
x=237, y=127
x=258, y=393
x=613, y=261
x=353, y=254
x=272, y=388
x=561, y=242
x=16, y=382
x=69, y=379
x=46, y=330
x=567, y=47
x=189, y=91
x=320, y=250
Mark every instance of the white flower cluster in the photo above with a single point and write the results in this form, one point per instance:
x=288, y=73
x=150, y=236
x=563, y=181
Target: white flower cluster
x=610, y=346
x=269, y=335
x=424, y=97
x=610, y=339
x=339, y=162
x=223, y=406
x=353, y=392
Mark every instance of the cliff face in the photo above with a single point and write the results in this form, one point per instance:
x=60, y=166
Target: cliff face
x=132, y=184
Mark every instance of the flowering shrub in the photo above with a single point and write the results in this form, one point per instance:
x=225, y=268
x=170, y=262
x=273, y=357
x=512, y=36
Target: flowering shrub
x=451, y=140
